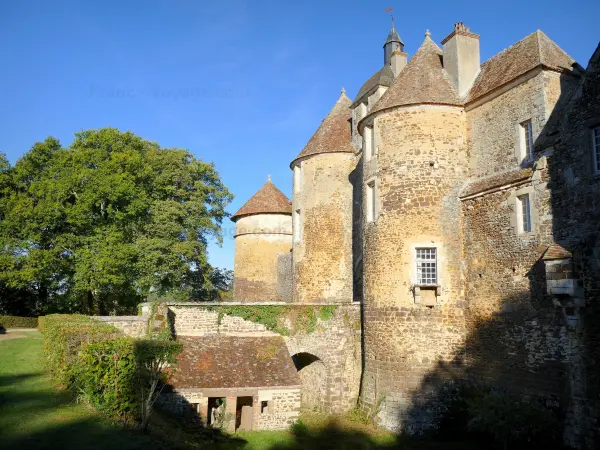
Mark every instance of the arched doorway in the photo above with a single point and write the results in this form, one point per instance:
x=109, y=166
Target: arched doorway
x=313, y=375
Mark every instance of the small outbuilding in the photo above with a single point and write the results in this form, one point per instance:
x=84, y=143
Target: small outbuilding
x=235, y=383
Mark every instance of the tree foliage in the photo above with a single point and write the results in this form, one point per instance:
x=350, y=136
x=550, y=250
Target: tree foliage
x=97, y=226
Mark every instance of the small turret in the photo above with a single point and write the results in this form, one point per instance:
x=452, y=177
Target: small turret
x=263, y=241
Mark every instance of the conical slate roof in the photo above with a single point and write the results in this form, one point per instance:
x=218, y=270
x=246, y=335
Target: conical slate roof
x=333, y=135
x=535, y=50
x=393, y=36
x=383, y=77
x=422, y=81
x=268, y=200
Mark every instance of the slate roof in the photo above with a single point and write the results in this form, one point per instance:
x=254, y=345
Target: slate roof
x=383, y=77
x=556, y=251
x=422, y=81
x=493, y=181
x=333, y=135
x=217, y=361
x=393, y=36
x=534, y=50
x=268, y=200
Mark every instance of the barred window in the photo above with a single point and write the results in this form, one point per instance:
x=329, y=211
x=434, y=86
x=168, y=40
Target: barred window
x=426, y=266
x=596, y=148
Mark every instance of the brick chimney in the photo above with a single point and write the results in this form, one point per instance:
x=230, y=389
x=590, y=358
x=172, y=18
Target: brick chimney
x=461, y=57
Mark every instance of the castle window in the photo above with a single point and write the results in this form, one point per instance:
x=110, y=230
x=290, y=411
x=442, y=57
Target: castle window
x=527, y=141
x=368, y=143
x=426, y=266
x=371, y=201
x=297, y=178
x=373, y=144
x=297, y=225
x=264, y=407
x=596, y=148
x=525, y=214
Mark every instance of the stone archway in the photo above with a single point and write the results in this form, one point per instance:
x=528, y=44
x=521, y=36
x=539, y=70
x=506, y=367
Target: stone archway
x=313, y=374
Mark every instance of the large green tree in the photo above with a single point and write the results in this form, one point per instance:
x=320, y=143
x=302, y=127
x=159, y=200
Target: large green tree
x=99, y=225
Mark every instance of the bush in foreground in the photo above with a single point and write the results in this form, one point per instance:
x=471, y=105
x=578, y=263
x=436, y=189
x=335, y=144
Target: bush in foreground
x=18, y=322
x=117, y=375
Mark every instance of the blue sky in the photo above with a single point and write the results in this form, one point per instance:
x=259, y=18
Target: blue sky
x=241, y=83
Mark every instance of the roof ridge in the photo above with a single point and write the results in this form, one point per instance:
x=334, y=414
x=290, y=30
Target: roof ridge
x=333, y=134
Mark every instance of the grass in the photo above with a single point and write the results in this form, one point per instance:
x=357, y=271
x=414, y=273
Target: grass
x=35, y=415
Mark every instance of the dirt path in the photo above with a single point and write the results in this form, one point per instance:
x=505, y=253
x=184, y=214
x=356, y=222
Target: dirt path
x=16, y=333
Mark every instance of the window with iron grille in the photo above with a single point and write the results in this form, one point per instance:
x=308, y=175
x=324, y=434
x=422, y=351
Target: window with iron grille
x=596, y=148
x=427, y=266
x=525, y=213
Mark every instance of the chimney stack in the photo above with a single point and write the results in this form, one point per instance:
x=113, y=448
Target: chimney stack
x=461, y=57
x=398, y=60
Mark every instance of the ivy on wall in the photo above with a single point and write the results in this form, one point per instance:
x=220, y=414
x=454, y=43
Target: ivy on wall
x=285, y=320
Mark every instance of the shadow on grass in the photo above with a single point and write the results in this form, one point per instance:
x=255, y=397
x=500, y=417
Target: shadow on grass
x=337, y=436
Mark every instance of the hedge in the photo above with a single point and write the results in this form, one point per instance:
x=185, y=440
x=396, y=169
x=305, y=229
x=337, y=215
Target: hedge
x=18, y=322
x=108, y=370
x=63, y=338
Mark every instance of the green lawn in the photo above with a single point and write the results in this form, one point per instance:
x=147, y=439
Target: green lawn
x=35, y=415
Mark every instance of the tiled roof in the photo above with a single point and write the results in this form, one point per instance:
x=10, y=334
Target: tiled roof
x=217, y=361
x=422, y=81
x=534, y=50
x=494, y=181
x=333, y=135
x=268, y=200
x=383, y=77
x=556, y=251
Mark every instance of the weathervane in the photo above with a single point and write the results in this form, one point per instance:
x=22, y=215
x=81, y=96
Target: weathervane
x=389, y=10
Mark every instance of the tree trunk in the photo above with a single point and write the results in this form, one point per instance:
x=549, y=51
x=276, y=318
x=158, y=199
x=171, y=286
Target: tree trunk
x=90, y=303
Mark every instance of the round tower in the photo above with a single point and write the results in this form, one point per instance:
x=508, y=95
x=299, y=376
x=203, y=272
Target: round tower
x=322, y=211
x=263, y=242
x=414, y=160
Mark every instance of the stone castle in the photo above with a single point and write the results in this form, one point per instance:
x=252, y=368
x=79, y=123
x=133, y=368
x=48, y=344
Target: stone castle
x=454, y=207
x=444, y=228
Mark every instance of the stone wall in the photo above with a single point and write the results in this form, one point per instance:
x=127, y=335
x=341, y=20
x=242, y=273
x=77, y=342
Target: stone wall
x=323, y=256
x=282, y=410
x=260, y=241
x=493, y=127
x=133, y=326
x=335, y=344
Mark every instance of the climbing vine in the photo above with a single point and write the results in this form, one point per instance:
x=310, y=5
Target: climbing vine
x=158, y=322
x=281, y=319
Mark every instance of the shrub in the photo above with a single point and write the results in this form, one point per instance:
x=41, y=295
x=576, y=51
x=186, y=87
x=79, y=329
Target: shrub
x=40, y=325
x=18, y=322
x=63, y=337
x=117, y=375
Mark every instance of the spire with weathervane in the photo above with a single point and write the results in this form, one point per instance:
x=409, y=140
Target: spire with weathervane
x=392, y=43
